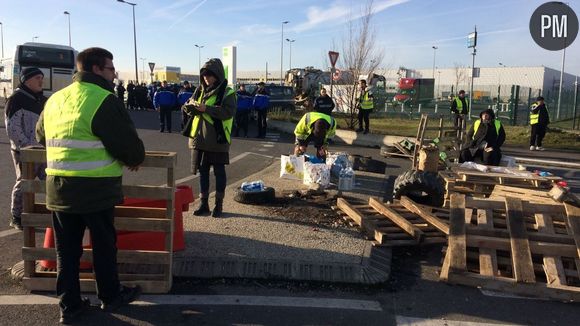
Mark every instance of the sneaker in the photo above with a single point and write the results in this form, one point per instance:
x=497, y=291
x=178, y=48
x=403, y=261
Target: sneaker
x=70, y=316
x=532, y=148
x=126, y=296
x=16, y=223
x=538, y=148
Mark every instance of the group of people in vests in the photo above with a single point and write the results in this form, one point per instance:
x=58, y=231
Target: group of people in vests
x=486, y=135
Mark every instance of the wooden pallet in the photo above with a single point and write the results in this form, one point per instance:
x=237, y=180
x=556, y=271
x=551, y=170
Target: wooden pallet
x=514, y=246
x=482, y=184
x=394, y=224
x=37, y=217
x=532, y=195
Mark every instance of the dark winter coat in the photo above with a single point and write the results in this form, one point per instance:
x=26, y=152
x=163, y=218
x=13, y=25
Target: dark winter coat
x=23, y=109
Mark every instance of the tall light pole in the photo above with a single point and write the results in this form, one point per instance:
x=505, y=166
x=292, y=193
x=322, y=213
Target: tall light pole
x=134, y=38
x=561, y=81
x=199, y=47
x=290, y=61
x=2, y=37
x=434, y=52
x=499, y=81
x=34, y=38
x=282, y=52
x=143, y=68
x=68, y=15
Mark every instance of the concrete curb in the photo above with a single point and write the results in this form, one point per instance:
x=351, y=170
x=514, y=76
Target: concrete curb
x=344, y=136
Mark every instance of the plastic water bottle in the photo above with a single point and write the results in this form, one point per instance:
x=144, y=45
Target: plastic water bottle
x=253, y=186
x=346, y=179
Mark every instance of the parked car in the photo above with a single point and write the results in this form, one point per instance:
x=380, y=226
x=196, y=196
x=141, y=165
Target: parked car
x=281, y=97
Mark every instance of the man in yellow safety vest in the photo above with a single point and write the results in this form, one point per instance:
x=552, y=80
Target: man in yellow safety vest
x=365, y=106
x=316, y=127
x=460, y=108
x=539, y=120
x=89, y=137
x=484, y=140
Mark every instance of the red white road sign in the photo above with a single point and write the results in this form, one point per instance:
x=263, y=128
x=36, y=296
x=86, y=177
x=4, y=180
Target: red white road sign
x=333, y=57
x=336, y=75
x=151, y=66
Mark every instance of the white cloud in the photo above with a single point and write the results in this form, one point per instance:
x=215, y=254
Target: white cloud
x=338, y=12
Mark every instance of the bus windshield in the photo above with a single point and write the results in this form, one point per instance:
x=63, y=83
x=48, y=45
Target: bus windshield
x=32, y=55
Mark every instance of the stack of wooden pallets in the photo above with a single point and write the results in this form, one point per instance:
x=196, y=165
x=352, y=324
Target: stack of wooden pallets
x=481, y=184
x=514, y=246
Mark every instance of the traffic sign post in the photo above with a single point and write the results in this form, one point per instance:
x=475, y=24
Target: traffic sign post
x=151, y=67
x=333, y=56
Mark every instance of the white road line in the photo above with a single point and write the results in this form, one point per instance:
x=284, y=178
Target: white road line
x=7, y=233
x=412, y=321
x=263, y=150
x=215, y=300
x=268, y=145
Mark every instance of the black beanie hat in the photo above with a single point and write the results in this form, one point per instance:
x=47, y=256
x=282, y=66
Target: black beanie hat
x=28, y=73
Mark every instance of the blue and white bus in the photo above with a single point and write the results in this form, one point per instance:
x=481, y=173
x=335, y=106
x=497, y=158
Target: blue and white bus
x=57, y=62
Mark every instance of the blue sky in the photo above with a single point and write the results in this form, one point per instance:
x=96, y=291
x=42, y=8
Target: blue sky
x=406, y=29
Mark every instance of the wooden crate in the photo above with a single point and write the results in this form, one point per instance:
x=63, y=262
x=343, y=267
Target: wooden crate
x=395, y=224
x=514, y=246
x=36, y=215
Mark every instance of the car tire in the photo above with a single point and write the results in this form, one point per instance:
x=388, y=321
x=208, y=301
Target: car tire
x=422, y=187
x=255, y=197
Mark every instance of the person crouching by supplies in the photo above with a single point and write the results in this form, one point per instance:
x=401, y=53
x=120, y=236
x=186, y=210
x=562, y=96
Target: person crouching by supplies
x=212, y=108
x=316, y=127
x=484, y=140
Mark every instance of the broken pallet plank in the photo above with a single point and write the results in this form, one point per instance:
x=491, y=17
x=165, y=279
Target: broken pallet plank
x=427, y=216
x=400, y=221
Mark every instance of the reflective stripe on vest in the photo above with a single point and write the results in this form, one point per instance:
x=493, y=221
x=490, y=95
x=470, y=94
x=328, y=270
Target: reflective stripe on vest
x=478, y=122
x=534, y=117
x=72, y=150
x=365, y=102
x=227, y=124
x=459, y=104
x=304, y=127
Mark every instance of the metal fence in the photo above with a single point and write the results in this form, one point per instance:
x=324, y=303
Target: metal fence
x=510, y=102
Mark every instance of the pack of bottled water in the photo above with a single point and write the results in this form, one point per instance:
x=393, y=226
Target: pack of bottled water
x=253, y=186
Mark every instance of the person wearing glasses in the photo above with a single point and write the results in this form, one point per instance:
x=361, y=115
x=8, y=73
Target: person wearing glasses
x=89, y=137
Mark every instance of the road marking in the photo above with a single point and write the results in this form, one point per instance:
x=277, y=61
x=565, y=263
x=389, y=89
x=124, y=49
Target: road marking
x=268, y=145
x=214, y=300
x=233, y=160
x=7, y=233
x=263, y=150
x=412, y=321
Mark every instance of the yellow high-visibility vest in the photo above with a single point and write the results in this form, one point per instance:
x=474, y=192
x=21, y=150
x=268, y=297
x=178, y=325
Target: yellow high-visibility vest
x=478, y=122
x=227, y=124
x=72, y=150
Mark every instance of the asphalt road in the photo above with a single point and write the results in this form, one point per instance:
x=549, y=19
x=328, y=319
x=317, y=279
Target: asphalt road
x=413, y=297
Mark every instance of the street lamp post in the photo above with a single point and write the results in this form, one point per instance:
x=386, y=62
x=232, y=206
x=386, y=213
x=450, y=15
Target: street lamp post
x=199, y=47
x=282, y=52
x=561, y=81
x=434, y=52
x=2, y=37
x=290, y=61
x=134, y=37
x=143, y=68
x=68, y=15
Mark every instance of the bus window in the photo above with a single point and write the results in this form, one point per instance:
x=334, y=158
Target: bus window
x=32, y=55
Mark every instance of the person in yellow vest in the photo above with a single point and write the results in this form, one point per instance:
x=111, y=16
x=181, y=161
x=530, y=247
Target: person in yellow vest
x=539, y=120
x=484, y=140
x=460, y=108
x=365, y=106
x=212, y=108
x=314, y=127
x=89, y=137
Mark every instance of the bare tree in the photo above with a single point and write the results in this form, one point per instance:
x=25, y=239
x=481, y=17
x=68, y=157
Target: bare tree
x=360, y=56
x=460, y=75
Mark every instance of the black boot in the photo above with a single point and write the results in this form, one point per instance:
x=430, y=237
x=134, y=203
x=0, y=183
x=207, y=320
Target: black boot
x=218, y=209
x=203, y=207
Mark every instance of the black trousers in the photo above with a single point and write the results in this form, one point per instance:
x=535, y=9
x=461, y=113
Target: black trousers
x=538, y=133
x=363, y=115
x=69, y=230
x=165, y=118
x=262, y=125
x=242, y=120
x=480, y=156
x=219, y=170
